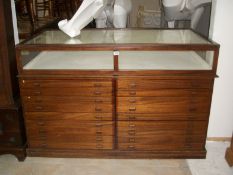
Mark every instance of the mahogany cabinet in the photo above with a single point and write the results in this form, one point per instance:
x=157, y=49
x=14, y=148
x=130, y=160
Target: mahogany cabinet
x=12, y=136
x=117, y=93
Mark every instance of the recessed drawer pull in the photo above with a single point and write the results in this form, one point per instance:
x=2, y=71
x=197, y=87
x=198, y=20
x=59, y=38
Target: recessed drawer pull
x=132, y=93
x=44, y=145
x=42, y=132
x=131, y=132
x=37, y=93
x=98, y=125
x=132, y=125
x=132, y=140
x=133, y=108
x=39, y=108
x=99, y=139
x=43, y=138
x=132, y=85
x=97, y=93
x=99, y=146
x=98, y=117
x=98, y=101
x=36, y=84
x=132, y=117
x=131, y=147
x=41, y=123
x=99, y=133
x=98, y=109
x=132, y=100
x=97, y=85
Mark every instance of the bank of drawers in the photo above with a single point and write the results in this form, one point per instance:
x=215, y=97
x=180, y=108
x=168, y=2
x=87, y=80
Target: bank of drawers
x=68, y=114
x=162, y=114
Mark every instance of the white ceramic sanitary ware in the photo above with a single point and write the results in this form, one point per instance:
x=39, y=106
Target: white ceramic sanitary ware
x=88, y=10
x=182, y=10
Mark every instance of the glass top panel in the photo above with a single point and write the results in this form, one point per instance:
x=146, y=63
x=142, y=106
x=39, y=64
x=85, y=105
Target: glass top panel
x=120, y=36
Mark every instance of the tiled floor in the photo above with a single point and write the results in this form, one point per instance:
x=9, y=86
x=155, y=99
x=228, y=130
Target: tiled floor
x=214, y=165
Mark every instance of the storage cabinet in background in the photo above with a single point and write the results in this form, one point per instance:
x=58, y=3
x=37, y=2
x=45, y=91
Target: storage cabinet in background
x=117, y=93
x=12, y=135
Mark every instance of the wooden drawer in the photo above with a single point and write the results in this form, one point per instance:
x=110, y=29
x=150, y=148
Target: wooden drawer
x=71, y=142
x=67, y=91
x=152, y=84
x=179, y=105
x=64, y=83
x=76, y=116
x=162, y=135
x=67, y=104
x=68, y=125
x=164, y=92
x=69, y=133
x=162, y=116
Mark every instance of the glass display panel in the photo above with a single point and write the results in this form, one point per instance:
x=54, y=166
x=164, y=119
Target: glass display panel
x=165, y=60
x=121, y=37
x=67, y=60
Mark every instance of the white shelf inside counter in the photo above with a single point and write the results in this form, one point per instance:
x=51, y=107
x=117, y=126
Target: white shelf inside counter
x=71, y=60
x=162, y=60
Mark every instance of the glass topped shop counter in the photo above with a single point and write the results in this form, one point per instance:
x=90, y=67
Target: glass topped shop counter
x=119, y=51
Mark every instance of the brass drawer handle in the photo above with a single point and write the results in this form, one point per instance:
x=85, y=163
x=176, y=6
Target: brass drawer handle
x=132, y=93
x=132, y=140
x=133, y=108
x=132, y=132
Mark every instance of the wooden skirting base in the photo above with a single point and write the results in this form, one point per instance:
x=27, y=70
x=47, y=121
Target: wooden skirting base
x=219, y=139
x=116, y=154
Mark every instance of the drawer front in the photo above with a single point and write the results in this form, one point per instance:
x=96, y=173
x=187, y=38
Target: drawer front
x=69, y=133
x=63, y=83
x=152, y=84
x=162, y=135
x=67, y=104
x=76, y=116
x=72, y=142
x=164, y=93
x=163, y=105
x=10, y=138
x=64, y=91
x=69, y=126
x=161, y=116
